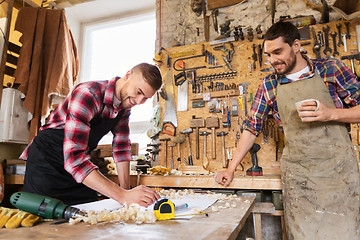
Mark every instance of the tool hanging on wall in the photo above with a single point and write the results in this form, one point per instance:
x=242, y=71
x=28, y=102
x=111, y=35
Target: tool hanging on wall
x=170, y=119
x=255, y=169
x=175, y=64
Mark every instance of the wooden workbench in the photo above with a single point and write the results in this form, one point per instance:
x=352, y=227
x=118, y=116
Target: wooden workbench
x=225, y=224
x=268, y=182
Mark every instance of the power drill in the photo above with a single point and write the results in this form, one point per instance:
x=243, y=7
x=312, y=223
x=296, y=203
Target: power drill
x=42, y=206
x=255, y=170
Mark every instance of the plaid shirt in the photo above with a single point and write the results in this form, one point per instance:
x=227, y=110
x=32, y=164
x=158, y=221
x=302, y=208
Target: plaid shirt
x=341, y=82
x=86, y=101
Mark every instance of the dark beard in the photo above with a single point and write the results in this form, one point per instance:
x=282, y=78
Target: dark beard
x=290, y=67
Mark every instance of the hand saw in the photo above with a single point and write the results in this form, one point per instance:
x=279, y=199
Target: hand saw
x=170, y=110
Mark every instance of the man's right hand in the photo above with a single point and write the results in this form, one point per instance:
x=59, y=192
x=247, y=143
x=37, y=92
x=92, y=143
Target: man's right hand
x=141, y=195
x=224, y=177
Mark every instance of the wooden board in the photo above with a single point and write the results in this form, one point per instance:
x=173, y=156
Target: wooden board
x=225, y=224
x=241, y=60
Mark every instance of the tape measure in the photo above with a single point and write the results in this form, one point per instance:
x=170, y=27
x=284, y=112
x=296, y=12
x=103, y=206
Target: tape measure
x=164, y=209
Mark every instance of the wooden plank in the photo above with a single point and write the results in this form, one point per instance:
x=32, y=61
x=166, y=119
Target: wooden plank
x=172, y=181
x=264, y=207
x=225, y=224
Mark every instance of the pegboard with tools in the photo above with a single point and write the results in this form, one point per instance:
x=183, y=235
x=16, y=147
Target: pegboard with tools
x=209, y=89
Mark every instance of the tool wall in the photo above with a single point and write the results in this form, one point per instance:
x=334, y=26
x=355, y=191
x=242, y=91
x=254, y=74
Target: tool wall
x=213, y=85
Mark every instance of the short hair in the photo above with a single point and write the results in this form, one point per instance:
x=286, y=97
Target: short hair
x=286, y=30
x=151, y=73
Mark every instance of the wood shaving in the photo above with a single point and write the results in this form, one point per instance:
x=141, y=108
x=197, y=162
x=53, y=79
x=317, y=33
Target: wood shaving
x=135, y=214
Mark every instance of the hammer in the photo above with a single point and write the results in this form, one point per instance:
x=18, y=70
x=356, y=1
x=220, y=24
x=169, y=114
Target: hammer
x=213, y=122
x=178, y=140
x=197, y=123
x=222, y=134
x=205, y=159
x=186, y=132
x=172, y=155
x=166, y=140
x=351, y=58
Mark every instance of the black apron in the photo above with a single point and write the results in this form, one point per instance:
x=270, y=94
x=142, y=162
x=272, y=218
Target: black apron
x=45, y=173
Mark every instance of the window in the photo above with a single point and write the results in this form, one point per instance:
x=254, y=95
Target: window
x=111, y=49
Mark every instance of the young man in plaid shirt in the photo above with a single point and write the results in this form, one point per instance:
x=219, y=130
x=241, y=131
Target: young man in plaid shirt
x=58, y=159
x=320, y=173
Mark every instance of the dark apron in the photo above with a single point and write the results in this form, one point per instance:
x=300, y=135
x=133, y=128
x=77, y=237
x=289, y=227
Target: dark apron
x=45, y=173
x=320, y=173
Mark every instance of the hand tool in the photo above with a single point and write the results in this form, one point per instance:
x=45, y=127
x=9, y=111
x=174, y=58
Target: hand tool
x=344, y=39
x=187, y=69
x=178, y=140
x=43, y=206
x=166, y=144
x=234, y=106
x=213, y=122
x=347, y=30
x=335, y=52
x=172, y=154
x=338, y=26
x=187, y=132
x=164, y=209
x=254, y=56
x=327, y=47
x=229, y=156
x=244, y=85
x=170, y=109
x=255, y=170
x=205, y=158
x=197, y=123
x=321, y=39
x=316, y=47
x=214, y=14
x=351, y=58
x=222, y=134
x=260, y=53
x=169, y=128
x=158, y=56
x=182, y=96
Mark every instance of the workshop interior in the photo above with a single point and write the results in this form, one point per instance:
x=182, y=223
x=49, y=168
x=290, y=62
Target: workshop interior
x=212, y=60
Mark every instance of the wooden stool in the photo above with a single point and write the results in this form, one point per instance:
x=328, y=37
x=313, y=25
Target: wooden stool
x=268, y=209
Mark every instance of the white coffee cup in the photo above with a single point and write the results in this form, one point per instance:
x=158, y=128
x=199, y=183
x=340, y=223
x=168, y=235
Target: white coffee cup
x=298, y=104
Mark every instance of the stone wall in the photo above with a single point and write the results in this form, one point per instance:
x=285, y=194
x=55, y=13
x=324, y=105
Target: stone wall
x=179, y=24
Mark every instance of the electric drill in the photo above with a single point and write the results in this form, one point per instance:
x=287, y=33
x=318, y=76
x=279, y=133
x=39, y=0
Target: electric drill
x=255, y=170
x=42, y=206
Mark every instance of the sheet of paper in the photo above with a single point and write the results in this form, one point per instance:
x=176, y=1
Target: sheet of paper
x=195, y=204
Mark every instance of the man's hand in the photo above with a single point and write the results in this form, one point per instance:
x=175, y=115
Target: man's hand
x=224, y=177
x=323, y=114
x=141, y=195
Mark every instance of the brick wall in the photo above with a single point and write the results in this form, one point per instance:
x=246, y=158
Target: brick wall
x=179, y=24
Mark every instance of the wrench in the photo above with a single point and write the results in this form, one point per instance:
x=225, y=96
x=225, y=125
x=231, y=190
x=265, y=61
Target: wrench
x=316, y=47
x=338, y=26
x=347, y=30
x=333, y=35
x=326, y=32
x=321, y=38
x=344, y=39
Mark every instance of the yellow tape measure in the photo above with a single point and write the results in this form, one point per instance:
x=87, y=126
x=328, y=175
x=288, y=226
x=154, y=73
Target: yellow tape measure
x=164, y=209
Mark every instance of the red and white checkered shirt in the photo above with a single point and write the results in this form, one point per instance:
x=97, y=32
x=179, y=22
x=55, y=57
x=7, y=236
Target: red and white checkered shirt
x=86, y=101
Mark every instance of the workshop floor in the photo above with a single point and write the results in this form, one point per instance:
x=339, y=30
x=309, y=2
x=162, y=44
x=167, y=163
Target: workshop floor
x=271, y=228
